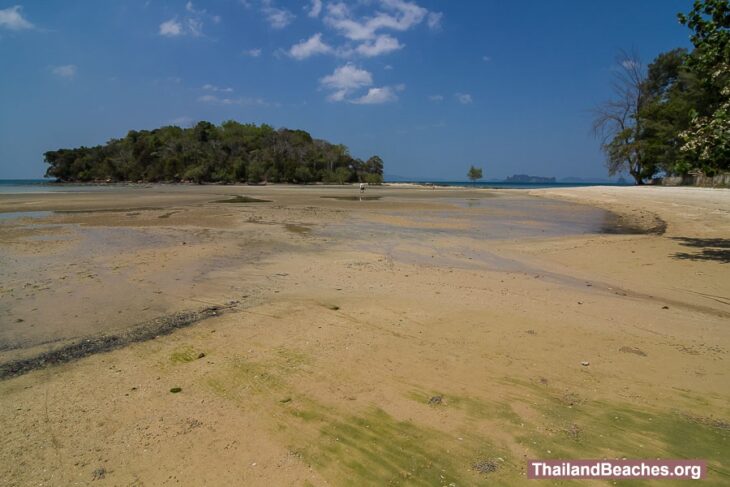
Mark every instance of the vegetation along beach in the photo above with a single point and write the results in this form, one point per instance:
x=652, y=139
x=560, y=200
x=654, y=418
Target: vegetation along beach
x=354, y=275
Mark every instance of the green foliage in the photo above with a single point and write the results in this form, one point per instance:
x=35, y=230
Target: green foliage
x=474, y=173
x=707, y=139
x=229, y=153
x=343, y=175
x=374, y=179
x=670, y=93
x=256, y=171
x=710, y=24
x=675, y=118
x=302, y=174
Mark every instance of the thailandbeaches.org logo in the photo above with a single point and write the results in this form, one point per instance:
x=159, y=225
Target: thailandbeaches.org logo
x=617, y=469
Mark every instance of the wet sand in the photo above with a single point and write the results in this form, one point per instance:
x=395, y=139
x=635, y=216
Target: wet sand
x=402, y=339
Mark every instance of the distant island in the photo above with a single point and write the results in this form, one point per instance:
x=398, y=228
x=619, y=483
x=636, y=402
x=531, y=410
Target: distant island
x=572, y=179
x=229, y=153
x=524, y=178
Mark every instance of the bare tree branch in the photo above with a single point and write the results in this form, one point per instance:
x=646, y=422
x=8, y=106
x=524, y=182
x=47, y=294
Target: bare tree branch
x=616, y=122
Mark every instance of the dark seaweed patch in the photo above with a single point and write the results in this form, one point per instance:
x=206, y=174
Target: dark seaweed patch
x=92, y=345
x=243, y=199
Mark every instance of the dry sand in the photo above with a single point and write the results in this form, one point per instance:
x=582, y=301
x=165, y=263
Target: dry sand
x=418, y=337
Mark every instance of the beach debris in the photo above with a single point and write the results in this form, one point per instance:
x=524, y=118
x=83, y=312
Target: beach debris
x=571, y=399
x=436, y=400
x=531, y=332
x=665, y=307
x=485, y=466
x=634, y=350
x=573, y=431
x=708, y=421
x=201, y=355
x=99, y=473
x=333, y=307
x=285, y=400
x=585, y=363
x=175, y=390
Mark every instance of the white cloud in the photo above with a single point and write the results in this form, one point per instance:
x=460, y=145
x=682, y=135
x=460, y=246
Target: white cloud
x=434, y=20
x=348, y=79
x=401, y=16
x=244, y=101
x=436, y=98
x=315, y=9
x=191, y=23
x=171, y=28
x=256, y=52
x=382, y=44
x=67, y=71
x=376, y=96
x=344, y=80
x=195, y=27
x=217, y=89
x=278, y=18
x=348, y=76
x=310, y=47
x=339, y=9
x=12, y=18
x=367, y=30
x=174, y=28
x=463, y=98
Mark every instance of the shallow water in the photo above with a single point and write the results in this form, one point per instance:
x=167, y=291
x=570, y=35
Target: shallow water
x=353, y=198
x=489, y=218
x=24, y=214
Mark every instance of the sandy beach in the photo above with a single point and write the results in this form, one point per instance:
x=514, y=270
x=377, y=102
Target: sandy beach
x=316, y=336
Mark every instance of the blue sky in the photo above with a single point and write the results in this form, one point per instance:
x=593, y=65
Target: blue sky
x=431, y=86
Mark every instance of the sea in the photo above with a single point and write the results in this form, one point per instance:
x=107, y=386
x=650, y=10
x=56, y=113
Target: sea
x=19, y=186
x=507, y=185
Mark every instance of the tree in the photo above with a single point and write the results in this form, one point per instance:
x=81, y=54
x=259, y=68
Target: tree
x=671, y=94
x=342, y=175
x=617, y=122
x=373, y=179
x=708, y=137
x=474, y=173
x=374, y=165
x=302, y=174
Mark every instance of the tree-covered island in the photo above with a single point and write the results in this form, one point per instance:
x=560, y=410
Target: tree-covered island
x=229, y=153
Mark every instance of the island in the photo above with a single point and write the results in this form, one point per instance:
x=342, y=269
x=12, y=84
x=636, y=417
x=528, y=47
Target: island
x=230, y=153
x=524, y=178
